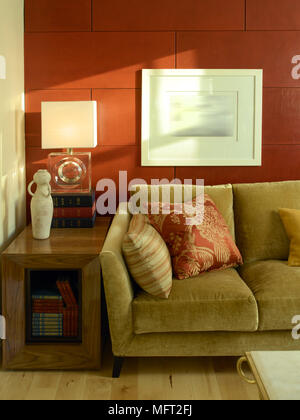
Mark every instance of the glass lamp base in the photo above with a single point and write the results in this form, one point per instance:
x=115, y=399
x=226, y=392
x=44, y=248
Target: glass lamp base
x=70, y=173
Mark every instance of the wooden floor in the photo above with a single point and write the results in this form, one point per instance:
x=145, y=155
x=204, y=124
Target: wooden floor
x=147, y=378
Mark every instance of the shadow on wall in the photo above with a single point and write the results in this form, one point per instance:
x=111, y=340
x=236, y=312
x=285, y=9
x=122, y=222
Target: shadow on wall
x=119, y=113
x=94, y=59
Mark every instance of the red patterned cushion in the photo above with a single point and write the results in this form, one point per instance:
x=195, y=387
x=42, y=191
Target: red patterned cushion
x=199, y=247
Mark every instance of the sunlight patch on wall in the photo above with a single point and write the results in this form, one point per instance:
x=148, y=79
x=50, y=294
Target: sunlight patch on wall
x=12, y=143
x=2, y=67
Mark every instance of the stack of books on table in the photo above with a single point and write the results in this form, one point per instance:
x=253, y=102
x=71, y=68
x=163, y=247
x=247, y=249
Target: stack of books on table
x=71, y=310
x=47, y=314
x=74, y=210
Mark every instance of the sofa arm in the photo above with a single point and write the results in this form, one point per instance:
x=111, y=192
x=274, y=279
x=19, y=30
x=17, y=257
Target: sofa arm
x=117, y=285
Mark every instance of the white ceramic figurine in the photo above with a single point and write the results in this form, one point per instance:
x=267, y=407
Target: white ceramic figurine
x=41, y=205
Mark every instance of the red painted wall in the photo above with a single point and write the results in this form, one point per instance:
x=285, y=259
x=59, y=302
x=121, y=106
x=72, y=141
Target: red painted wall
x=95, y=49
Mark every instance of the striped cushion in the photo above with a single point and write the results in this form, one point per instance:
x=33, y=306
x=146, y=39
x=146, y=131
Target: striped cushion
x=148, y=258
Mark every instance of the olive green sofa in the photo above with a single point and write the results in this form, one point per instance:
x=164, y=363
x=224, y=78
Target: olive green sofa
x=220, y=313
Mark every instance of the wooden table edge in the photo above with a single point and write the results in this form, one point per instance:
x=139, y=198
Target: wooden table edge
x=260, y=384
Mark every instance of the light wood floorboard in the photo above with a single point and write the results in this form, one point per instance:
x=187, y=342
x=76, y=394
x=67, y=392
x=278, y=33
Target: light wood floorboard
x=196, y=378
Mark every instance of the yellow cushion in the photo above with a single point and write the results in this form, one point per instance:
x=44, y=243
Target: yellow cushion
x=214, y=301
x=147, y=257
x=260, y=233
x=291, y=221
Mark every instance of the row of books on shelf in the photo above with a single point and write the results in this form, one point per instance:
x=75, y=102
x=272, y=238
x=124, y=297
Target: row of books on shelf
x=55, y=314
x=74, y=210
x=56, y=325
x=47, y=325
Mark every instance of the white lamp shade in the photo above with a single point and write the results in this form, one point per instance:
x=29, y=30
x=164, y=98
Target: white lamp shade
x=69, y=124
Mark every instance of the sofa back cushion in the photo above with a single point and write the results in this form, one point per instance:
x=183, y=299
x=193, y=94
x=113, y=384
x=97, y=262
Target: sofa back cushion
x=259, y=230
x=222, y=196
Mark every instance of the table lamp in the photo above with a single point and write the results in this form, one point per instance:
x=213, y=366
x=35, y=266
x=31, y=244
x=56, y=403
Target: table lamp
x=69, y=125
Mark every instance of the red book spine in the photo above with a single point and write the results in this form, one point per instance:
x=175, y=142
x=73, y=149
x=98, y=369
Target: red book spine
x=76, y=322
x=65, y=294
x=60, y=288
x=42, y=308
x=47, y=308
x=47, y=311
x=47, y=301
x=72, y=323
x=65, y=323
x=74, y=212
x=63, y=291
x=70, y=293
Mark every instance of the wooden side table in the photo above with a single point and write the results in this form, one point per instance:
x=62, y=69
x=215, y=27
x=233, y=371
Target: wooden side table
x=66, y=249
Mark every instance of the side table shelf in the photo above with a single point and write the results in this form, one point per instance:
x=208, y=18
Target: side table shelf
x=27, y=266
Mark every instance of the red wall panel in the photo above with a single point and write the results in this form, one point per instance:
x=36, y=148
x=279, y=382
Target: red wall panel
x=33, y=102
x=57, y=15
x=281, y=116
x=95, y=59
x=273, y=15
x=119, y=116
x=109, y=160
x=279, y=163
x=270, y=51
x=65, y=60
x=162, y=15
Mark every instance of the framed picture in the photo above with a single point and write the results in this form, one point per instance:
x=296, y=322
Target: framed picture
x=202, y=117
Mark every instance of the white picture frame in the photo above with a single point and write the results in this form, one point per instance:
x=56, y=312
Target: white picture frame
x=202, y=117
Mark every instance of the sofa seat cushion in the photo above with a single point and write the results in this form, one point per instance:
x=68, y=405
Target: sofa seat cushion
x=214, y=301
x=276, y=287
